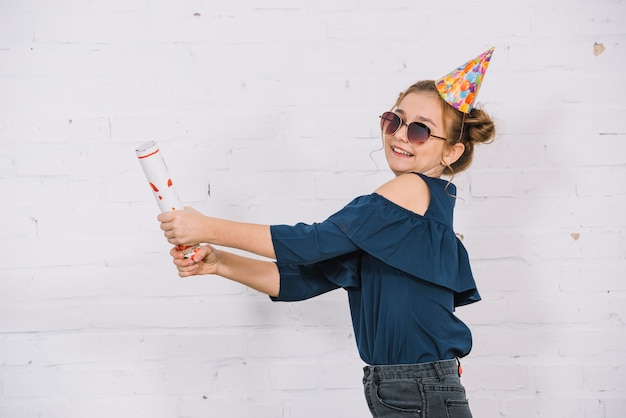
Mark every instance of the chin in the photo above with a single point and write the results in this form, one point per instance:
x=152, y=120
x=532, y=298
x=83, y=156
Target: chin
x=401, y=170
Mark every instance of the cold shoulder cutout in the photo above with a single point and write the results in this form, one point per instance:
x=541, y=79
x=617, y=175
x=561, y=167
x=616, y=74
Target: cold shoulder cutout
x=408, y=191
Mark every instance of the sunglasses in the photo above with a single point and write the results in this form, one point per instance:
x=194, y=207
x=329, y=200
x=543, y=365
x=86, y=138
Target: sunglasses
x=416, y=132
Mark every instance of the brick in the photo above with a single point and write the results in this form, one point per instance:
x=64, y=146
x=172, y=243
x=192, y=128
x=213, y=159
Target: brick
x=243, y=378
x=188, y=380
x=16, y=350
x=558, y=379
x=30, y=382
x=96, y=382
x=503, y=377
x=171, y=314
x=342, y=376
x=491, y=246
x=613, y=408
x=566, y=309
x=587, y=21
x=500, y=277
x=294, y=377
x=34, y=318
x=605, y=273
x=523, y=406
x=23, y=224
x=86, y=347
x=297, y=344
x=604, y=377
x=193, y=347
x=600, y=182
x=20, y=408
x=582, y=342
x=121, y=406
x=516, y=342
x=264, y=405
x=495, y=184
x=549, y=183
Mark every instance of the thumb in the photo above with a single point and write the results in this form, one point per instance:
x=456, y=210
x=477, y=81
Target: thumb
x=200, y=253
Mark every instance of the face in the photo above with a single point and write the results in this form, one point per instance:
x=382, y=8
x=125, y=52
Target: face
x=404, y=156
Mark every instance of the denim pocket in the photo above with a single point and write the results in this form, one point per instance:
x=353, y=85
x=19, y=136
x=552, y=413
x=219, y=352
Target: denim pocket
x=446, y=399
x=400, y=395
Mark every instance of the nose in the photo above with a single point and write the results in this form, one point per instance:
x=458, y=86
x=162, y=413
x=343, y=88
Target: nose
x=402, y=132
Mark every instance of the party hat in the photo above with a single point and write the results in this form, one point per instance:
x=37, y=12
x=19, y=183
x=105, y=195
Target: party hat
x=460, y=87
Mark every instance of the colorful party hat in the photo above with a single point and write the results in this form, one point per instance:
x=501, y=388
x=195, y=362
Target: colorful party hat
x=460, y=87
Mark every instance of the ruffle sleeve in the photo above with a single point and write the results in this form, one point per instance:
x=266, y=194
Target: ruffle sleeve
x=300, y=282
x=417, y=245
x=308, y=244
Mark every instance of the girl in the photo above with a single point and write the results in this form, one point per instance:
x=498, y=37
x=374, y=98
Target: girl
x=394, y=251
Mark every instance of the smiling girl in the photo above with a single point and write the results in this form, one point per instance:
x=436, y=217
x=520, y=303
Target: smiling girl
x=394, y=251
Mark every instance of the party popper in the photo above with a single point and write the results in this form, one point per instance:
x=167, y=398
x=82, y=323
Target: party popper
x=158, y=176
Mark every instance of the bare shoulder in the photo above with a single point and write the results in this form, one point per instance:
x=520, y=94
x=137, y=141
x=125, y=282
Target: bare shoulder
x=409, y=191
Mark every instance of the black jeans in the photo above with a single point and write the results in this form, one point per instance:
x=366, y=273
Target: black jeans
x=425, y=390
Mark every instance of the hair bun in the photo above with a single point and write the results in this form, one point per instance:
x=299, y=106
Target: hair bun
x=480, y=127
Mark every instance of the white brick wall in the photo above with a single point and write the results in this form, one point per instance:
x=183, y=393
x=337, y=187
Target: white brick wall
x=273, y=106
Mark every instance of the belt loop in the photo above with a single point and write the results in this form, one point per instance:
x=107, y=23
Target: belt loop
x=439, y=372
x=368, y=370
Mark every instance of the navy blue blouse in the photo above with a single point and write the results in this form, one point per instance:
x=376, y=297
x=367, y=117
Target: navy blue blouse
x=404, y=274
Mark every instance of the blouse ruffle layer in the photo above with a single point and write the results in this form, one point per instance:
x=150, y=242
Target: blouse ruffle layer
x=417, y=245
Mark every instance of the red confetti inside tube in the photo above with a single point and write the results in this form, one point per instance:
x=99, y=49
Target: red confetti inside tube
x=158, y=176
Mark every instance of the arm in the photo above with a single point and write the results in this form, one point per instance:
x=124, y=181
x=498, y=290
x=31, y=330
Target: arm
x=259, y=275
x=298, y=244
x=190, y=226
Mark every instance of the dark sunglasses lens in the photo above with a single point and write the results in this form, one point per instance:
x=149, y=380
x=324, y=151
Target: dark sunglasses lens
x=418, y=132
x=389, y=123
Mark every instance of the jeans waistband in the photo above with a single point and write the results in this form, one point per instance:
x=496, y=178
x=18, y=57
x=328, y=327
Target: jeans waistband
x=437, y=369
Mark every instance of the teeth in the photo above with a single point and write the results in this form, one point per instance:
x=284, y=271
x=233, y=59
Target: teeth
x=401, y=151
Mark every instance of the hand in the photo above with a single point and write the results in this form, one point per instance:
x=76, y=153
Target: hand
x=182, y=227
x=204, y=260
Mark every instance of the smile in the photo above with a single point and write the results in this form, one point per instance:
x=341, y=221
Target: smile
x=401, y=151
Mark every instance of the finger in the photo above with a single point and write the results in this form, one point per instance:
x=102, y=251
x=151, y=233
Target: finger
x=183, y=262
x=188, y=271
x=166, y=217
x=172, y=239
x=176, y=253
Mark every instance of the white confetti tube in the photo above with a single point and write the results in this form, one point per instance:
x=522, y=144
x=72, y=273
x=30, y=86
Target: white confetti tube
x=158, y=176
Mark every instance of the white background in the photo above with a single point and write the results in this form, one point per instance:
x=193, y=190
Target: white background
x=267, y=111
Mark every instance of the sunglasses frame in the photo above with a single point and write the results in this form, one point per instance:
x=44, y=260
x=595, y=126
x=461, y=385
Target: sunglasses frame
x=403, y=123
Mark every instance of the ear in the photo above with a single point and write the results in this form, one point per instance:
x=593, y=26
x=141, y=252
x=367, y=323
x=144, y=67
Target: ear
x=453, y=153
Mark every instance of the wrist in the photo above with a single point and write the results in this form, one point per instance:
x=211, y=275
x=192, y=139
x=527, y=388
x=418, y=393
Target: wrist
x=208, y=229
x=212, y=259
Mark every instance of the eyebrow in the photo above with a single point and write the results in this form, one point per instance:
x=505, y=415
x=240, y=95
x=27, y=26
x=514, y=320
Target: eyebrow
x=421, y=118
